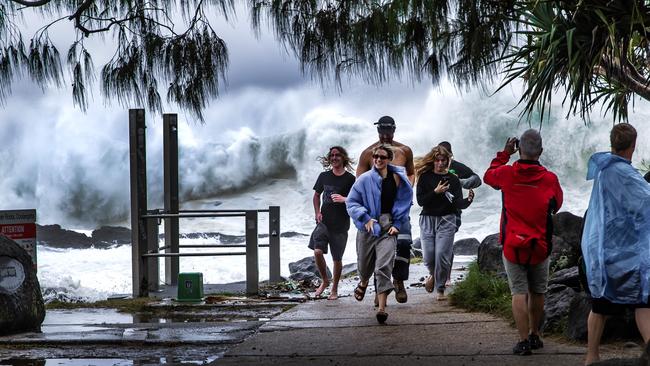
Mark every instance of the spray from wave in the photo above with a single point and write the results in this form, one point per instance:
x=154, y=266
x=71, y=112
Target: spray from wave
x=75, y=170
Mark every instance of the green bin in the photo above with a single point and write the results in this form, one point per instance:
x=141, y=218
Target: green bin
x=190, y=286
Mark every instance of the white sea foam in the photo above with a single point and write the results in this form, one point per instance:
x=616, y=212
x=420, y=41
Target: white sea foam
x=270, y=159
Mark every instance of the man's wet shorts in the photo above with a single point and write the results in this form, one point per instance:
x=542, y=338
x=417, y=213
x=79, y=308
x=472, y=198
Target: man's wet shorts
x=605, y=307
x=321, y=237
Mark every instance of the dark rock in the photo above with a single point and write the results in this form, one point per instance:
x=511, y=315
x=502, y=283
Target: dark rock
x=107, y=236
x=467, y=246
x=286, y=234
x=60, y=294
x=621, y=326
x=348, y=270
x=489, y=255
x=568, y=227
x=21, y=302
x=417, y=244
x=416, y=253
x=563, y=255
x=291, y=234
x=567, y=277
x=305, y=269
x=222, y=238
x=617, y=327
x=557, y=304
x=576, y=328
x=56, y=237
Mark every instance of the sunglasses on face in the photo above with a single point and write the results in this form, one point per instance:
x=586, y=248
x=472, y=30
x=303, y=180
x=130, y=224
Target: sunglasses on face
x=335, y=155
x=380, y=157
x=385, y=130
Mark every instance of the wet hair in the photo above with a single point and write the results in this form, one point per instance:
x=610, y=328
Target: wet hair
x=447, y=146
x=530, y=143
x=427, y=162
x=622, y=136
x=387, y=148
x=347, y=160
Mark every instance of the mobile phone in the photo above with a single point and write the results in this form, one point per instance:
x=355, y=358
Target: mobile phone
x=516, y=144
x=445, y=180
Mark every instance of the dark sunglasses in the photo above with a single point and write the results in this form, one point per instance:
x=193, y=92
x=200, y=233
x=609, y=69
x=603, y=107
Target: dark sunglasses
x=335, y=154
x=386, y=129
x=381, y=157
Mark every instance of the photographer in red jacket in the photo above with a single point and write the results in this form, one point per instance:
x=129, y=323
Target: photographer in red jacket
x=530, y=194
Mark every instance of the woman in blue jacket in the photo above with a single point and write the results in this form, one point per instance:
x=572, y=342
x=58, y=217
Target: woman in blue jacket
x=379, y=205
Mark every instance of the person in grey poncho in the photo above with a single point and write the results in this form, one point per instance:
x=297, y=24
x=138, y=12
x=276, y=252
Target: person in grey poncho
x=616, y=239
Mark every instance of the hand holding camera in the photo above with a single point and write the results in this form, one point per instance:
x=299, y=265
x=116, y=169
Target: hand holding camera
x=512, y=145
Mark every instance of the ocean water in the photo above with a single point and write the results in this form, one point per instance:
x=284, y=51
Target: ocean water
x=257, y=149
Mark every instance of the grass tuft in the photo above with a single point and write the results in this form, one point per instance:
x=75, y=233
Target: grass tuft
x=484, y=292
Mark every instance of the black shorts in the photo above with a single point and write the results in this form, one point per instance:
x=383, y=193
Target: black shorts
x=321, y=237
x=603, y=306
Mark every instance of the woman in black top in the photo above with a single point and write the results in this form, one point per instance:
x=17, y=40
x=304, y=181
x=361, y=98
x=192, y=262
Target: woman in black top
x=440, y=195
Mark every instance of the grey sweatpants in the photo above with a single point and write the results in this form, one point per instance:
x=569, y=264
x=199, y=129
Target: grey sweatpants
x=376, y=255
x=437, y=238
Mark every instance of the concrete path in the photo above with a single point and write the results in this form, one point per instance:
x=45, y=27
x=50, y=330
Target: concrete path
x=421, y=332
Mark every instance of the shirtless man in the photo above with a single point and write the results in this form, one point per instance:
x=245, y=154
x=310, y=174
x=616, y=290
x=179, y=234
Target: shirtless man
x=403, y=156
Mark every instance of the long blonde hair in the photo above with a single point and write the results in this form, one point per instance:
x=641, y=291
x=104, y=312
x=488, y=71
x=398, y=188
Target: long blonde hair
x=426, y=163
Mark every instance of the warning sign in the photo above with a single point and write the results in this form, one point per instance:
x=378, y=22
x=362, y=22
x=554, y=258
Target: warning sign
x=20, y=226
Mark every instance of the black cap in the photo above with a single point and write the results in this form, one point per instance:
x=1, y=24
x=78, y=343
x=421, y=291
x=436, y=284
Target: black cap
x=386, y=121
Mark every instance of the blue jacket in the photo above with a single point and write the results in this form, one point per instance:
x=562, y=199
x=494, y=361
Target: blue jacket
x=616, y=237
x=364, y=200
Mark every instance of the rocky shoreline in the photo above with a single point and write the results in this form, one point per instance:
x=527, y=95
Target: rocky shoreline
x=54, y=236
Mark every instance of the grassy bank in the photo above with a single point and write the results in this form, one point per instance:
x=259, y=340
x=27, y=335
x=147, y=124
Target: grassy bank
x=484, y=292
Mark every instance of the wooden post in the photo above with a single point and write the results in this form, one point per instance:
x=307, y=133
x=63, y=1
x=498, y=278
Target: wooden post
x=274, y=244
x=170, y=185
x=153, y=263
x=138, y=162
x=252, y=270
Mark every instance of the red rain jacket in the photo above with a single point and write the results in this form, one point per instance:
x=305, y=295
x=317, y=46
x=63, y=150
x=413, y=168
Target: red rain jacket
x=530, y=194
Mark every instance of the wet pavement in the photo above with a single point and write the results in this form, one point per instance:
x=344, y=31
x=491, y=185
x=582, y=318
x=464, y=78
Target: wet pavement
x=422, y=331
x=170, y=334
x=339, y=332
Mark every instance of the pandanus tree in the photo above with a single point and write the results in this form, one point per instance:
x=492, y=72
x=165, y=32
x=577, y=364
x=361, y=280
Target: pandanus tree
x=593, y=53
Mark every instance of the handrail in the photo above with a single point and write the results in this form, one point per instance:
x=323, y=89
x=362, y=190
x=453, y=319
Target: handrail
x=191, y=215
x=149, y=255
x=153, y=252
x=265, y=245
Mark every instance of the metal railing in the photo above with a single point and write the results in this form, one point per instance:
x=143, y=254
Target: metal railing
x=172, y=248
x=145, y=250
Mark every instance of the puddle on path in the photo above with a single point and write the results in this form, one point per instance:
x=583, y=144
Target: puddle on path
x=86, y=316
x=105, y=361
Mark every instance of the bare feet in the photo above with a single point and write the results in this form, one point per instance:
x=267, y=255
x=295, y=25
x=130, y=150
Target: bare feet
x=591, y=360
x=333, y=295
x=321, y=288
x=441, y=296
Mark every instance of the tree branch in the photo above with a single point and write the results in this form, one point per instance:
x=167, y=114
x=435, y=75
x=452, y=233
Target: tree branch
x=31, y=3
x=627, y=76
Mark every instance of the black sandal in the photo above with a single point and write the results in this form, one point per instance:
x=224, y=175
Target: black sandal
x=382, y=316
x=360, y=292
